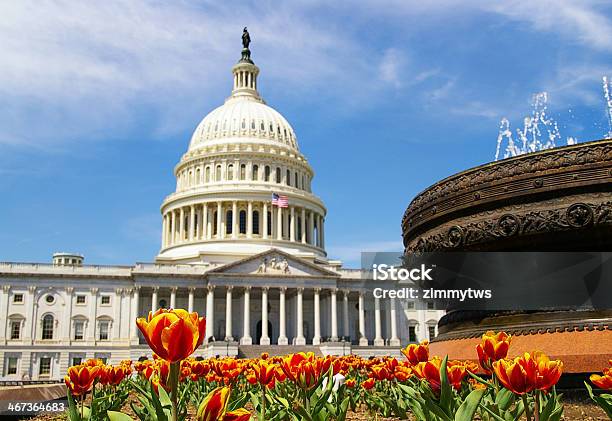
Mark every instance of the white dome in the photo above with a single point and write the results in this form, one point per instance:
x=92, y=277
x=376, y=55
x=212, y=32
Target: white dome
x=243, y=117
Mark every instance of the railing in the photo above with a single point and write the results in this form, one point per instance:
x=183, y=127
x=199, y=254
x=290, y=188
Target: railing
x=5, y=383
x=14, y=267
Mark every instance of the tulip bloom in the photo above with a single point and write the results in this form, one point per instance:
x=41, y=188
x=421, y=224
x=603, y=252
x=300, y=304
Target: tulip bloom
x=173, y=334
x=528, y=372
x=368, y=384
x=430, y=371
x=603, y=382
x=494, y=347
x=214, y=407
x=417, y=353
x=264, y=372
x=80, y=378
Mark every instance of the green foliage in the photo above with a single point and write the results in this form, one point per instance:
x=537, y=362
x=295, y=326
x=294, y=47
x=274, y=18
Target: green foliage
x=604, y=400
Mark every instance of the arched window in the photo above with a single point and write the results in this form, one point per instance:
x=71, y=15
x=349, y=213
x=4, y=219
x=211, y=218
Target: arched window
x=267, y=173
x=269, y=227
x=215, y=227
x=190, y=180
x=243, y=172
x=228, y=222
x=207, y=174
x=243, y=222
x=255, y=175
x=218, y=173
x=278, y=175
x=288, y=177
x=230, y=172
x=198, y=174
x=255, y=222
x=296, y=180
x=47, y=327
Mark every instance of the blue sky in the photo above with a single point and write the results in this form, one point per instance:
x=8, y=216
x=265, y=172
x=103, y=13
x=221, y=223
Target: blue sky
x=98, y=102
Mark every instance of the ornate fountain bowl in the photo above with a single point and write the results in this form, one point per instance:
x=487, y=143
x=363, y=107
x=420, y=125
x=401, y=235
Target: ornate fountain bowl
x=554, y=200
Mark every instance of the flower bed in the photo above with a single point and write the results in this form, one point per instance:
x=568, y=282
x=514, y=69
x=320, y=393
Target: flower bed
x=174, y=386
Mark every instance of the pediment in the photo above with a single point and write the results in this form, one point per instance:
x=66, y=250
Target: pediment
x=274, y=263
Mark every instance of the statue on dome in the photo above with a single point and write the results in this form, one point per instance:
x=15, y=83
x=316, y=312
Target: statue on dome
x=246, y=41
x=246, y=38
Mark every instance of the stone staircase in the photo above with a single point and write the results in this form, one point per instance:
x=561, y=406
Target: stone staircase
x=254, y=351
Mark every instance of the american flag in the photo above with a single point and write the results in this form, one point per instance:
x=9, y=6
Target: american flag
x=280, y=200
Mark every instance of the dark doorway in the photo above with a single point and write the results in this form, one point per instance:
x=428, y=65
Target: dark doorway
x=258, y=332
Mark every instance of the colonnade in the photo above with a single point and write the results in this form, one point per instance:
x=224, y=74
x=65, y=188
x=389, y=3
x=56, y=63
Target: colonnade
x=242, y=219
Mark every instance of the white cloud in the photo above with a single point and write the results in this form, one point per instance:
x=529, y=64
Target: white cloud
x=391, y=67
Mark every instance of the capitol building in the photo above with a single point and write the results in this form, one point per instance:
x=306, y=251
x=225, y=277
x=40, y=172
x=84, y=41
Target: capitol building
x=243, y=243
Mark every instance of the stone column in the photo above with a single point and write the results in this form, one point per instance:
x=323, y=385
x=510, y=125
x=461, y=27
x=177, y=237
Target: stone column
x=190, y=302
x=322, y=232
x=173, y=227
x=93, y=314
x=68, y=318
x=394, y=341
x=204, y=223
x=292, y=225
x=228, y=314
x=265, y=339
x=311, y=227
x=265, y=220
x=220, y=233
x=182, y=225
x=154, y=300
x=115, y=332
x=299, y=339
x=164, y=228
x=279, y=223
x=303, y=226
x=246, y=333
x=4, y=306
x=334, y=316
x=363, y=340
x=234, y=219
x=173, y=297
x=134, y=308
x=345, y=314
x=250, y=219
x=378, y=339
x=210, y=312
x=316, y=339
x=282, y=328
x=191, y=223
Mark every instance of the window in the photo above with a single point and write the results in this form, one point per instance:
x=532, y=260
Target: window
x=198, y=176
x=269, y=227
x=432, y=332
x=295, y=180
x=430, y=305
x=15, y=329
x=228, y=222
x=243, y=172
x=230, y=172
x=11, y=366
x=255, y=222
x=255, y=175
x=77, y=360
x=215, y=223
x=288, y=177
x=218, y=173
x=105, y=299
x=266, y=173
x=103, y=330
x=79, y=330
x=47, y=327
x=412, y=334
x=207, y=174
x=243, y=222
x=80, y=299
x=278, y=175
x=49, y=299
x=44, y=368
x=18, y=298
x=410, y=305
